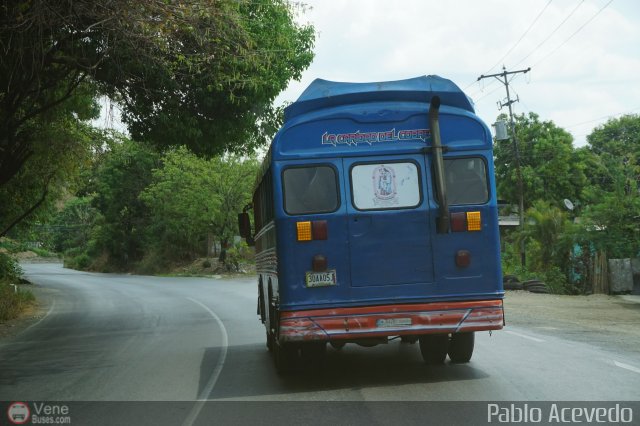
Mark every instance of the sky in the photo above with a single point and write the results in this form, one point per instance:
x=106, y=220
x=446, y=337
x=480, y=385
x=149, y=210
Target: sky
x=584, y=54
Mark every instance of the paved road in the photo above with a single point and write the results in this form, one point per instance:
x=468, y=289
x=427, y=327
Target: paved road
x=113, y=337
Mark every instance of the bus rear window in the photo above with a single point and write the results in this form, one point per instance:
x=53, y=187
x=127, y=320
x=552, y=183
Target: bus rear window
x=466, y=180
x=309, y=190
x=385, y=186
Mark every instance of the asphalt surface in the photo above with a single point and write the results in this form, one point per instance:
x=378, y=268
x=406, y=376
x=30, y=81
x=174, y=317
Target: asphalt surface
x=108, y=337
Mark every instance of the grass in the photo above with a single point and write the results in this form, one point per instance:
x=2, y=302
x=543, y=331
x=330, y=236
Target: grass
x=12, y=303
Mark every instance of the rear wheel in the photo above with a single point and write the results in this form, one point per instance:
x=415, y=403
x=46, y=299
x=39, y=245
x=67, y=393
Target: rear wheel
x=270, y=341
x=312, y=355
x=434, y=348
x=337, y=344
x=285, y=356
x=461, y=347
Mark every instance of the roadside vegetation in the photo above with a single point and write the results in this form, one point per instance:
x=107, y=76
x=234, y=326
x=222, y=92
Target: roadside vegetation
x=602, y=181
x=12, y=300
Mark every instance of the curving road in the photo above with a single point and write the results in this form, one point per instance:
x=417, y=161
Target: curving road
x=110, y=337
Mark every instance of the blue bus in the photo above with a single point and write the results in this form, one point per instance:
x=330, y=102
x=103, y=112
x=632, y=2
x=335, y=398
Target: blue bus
x=375, y=218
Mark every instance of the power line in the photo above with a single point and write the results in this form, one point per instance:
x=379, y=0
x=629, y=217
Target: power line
x=576, y=32
x=520, y=39
x=600, y=118
x=512, y=47
x=552, y=33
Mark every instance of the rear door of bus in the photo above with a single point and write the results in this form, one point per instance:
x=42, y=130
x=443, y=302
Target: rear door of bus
x=389, y=224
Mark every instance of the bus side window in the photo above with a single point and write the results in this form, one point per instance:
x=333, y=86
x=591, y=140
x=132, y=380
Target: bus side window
x=310, y=190
x=466, y=181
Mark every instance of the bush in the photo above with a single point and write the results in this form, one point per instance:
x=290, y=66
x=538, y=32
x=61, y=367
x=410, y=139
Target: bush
x=11, y=303
x=77, y=258
x=237, y=254
x=152, y=263
x=10, y=270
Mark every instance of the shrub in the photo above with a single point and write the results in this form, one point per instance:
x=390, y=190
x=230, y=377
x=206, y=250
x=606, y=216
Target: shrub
x=12, y=303
x=10, y=270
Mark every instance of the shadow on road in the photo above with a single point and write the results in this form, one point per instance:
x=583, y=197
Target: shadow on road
x=249, y=372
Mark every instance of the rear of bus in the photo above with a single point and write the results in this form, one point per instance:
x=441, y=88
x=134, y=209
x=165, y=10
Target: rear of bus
x=362, y=255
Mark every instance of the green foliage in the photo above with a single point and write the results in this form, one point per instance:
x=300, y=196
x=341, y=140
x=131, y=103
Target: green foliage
x=202, y=73
x=10, y=270
x=611, y=214
x=551, y=168
x=550, y=228
x=77, y=259
x=618, y=137
x=11, y=303
x=549, y=237
x=53, y=170
x=120, y=230
x=611, y=220
x=182, y=201
x=237, y=254
x=72, y=226
x=191, y=197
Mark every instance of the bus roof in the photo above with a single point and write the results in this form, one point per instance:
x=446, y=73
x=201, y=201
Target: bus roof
x=324, y=94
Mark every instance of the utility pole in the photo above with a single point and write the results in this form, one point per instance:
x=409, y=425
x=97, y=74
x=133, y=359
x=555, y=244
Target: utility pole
x=502, y=78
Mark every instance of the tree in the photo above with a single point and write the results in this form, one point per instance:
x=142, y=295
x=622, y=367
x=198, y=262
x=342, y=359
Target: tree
x=123, y=173
x=611, y=213
x=619, y=137
x=72, y=226
x=191, y=197
x=182, y=200
x=234, y=187
x=551, y=168
x=198, y=72
x=551, y=229
x=614, y=145
x=62, y=145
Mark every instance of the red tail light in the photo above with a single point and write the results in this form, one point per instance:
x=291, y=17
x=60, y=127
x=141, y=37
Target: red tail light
x=458, y=222
x=463, y=258
x=319, y=229
x=319, y=263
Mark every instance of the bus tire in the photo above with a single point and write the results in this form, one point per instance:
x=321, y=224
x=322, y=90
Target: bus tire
x=270, y=340
x=285, y=356
x=434, y=348
x=337, y=344
x=312, y=354
x=461, y=347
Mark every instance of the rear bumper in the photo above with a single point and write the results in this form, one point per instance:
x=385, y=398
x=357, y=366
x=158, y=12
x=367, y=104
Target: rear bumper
x=391, y=320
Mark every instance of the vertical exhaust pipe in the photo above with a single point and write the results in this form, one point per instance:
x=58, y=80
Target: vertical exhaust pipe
x=442, y=221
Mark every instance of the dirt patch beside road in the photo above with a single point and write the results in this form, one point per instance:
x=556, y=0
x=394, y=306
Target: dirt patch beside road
x=610, y=322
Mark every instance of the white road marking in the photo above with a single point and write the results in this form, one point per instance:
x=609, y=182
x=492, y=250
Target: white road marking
x=53, y=304
x=627, y=367
x=202, y=398
x=524, y=336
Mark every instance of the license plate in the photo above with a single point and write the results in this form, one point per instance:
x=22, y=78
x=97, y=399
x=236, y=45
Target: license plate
x=394, y=322
x=321, y=279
